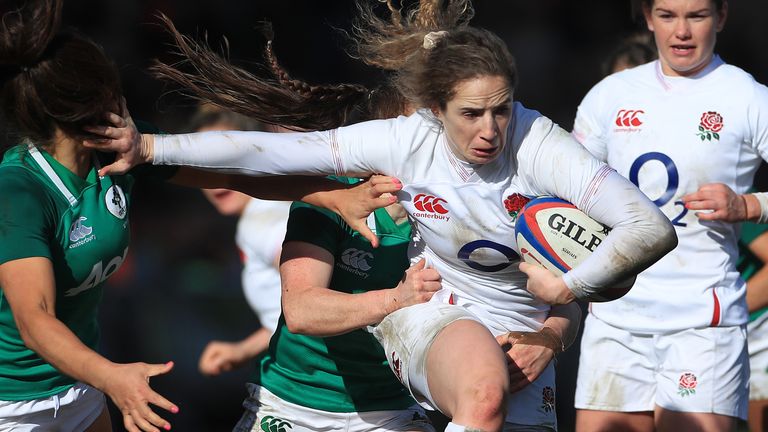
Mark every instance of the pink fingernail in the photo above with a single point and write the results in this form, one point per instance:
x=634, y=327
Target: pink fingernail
x=174, y=410
x=167, y=427
x=396, y=181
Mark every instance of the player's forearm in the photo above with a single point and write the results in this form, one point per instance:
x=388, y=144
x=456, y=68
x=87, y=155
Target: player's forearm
x=250, y=153
x=56, y=344
x=256, y=343
x=640, y=236
x=565, y=320
x=323, y=312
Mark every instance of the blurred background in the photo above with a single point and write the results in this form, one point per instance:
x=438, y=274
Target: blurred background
x=180, y=286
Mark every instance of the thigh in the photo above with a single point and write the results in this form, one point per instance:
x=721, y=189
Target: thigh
x=676, y=421
x=103, y=422
x=616, y=369
x=609, y=421
x=407, y=336
x=704, y=371
x=757, y=337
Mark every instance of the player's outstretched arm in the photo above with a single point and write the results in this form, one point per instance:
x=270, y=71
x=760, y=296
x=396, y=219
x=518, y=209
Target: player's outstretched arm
x=221, y=356
x=28, y=285
x=352, y=202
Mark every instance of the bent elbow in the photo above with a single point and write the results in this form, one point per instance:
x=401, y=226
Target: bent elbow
x=295, y=325
x=667, y=237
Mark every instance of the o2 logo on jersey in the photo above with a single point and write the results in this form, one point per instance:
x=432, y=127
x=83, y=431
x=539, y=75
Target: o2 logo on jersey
x=476, y=246
x=430, y=207
x=115, y=201
x=673, y=181
x=629, y=118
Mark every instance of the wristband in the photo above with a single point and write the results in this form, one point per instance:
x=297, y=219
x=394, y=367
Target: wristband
x=762, y=198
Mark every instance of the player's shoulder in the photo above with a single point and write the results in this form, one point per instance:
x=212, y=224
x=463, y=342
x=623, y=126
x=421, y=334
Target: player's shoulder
x=737, y=78
x=634, y=77
x=18, y=175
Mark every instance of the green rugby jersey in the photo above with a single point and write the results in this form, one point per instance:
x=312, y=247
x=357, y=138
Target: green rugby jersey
x=345, y=373
x=81, y=225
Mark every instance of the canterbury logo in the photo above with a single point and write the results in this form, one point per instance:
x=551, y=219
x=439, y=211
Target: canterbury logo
x=430, y=203
x=274, y=424
x=357, y=259
x=629, y=118
x=78, y=230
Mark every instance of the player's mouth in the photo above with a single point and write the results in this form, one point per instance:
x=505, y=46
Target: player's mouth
x=485, y=152
x=683, y=50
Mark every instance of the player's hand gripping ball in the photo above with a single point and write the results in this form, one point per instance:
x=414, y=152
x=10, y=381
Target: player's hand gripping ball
x=554, y=234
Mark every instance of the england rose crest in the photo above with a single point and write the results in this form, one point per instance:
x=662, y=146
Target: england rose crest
x=710, y=125
x=687, y=384
x=514, y=203
x=547, y=399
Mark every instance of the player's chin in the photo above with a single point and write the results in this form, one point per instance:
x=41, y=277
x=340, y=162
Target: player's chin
x=613, y=293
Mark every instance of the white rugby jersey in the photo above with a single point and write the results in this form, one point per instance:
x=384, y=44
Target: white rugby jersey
x=669, y=136
x=260, y=233
x=460, y=222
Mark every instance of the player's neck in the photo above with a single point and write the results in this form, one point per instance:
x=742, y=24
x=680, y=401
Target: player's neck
x=71, y=153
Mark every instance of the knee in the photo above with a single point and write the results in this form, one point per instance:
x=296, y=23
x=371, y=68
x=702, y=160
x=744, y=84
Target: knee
x=486, y=403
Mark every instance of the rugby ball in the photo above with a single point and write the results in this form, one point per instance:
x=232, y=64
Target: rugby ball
x=554, y=234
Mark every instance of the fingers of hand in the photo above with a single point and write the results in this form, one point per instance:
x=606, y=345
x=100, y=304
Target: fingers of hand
x=141, y=422
x=159, y=369
x=115, y=120
x=105, y=131
x=152, y=419
x=384, y=188
x=383, y=201
x=419, y=265
x=526, y=268
x=377, y=180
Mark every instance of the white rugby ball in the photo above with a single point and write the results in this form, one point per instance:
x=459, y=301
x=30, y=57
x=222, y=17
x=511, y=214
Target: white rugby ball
x=554, y=234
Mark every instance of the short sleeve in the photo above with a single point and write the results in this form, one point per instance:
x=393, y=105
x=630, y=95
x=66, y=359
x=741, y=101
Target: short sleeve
x=26, y=215
x=587, y=128
x=757, y=118
x=314, y=225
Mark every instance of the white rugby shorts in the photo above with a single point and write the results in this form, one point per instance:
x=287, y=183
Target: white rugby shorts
x=697, y=370
x=73, y=410
x=266, y=412
x=408, y=333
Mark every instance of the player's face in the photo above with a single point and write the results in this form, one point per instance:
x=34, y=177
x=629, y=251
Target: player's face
x=685, y=33
x=476, y=119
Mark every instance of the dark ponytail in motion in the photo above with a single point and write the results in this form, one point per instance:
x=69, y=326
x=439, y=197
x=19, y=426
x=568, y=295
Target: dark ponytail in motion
x=275, y=99
x=51, y=78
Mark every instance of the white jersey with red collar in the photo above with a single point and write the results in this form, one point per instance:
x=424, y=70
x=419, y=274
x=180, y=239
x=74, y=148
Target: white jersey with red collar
x=670, y=136
x=457, y=209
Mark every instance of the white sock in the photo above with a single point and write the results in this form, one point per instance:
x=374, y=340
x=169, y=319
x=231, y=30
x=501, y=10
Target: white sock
x=453, y=427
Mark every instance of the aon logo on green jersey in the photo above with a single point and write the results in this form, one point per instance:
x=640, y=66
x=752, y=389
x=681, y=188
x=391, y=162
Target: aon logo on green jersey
x=99, y=273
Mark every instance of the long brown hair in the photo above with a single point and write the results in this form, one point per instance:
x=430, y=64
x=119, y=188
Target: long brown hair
x=51, y=78
x=420, y=77
x=275, y=99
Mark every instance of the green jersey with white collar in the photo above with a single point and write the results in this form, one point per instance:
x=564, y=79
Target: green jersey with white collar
x=81, y=226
